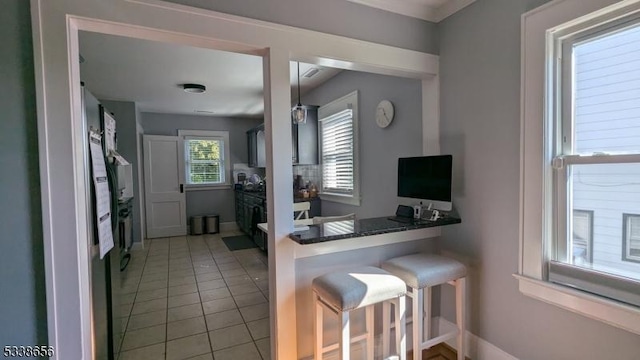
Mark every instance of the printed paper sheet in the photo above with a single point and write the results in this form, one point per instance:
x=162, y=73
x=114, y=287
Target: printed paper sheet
x=103, y=198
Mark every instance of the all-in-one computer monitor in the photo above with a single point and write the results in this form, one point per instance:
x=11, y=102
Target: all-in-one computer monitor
x=426, y=179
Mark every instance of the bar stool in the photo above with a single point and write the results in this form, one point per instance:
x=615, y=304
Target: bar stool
x=345, y=291
x=421, y=272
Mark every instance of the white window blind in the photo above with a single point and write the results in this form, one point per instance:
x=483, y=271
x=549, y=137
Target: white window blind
x=204, y=160
x=337, y=141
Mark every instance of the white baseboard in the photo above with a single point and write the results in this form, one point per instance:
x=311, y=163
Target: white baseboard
x=476, y=347
x=229, y=226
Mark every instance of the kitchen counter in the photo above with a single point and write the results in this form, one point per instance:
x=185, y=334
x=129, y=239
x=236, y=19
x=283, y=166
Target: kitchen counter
x=338, y=230
x=263, y=195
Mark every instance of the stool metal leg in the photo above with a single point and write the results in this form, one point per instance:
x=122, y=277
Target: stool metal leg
x=318, y=330
x=417, y=325
x=370, y=331
x=401, y=325
x=386, y=328
x=460, y=314
x=345, y=336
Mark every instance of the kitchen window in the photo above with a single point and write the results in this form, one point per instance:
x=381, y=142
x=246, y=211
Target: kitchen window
x=205, y=159
x=580, y=152
x=631, y=237
x=338, y=130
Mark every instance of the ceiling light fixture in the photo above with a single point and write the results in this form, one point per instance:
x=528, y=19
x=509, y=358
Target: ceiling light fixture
x=299, y=112
x=194, y=88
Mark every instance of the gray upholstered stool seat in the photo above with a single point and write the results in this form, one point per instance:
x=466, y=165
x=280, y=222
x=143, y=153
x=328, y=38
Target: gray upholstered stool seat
x=425, y=270
x=421, y=272
x=362, y=287
x=359, y=287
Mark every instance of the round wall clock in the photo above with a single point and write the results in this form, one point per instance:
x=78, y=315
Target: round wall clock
x=384, y=113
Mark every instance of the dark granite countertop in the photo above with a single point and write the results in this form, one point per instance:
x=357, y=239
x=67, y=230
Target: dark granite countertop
x=338, y=230
x=258, y=194
x=263, y=195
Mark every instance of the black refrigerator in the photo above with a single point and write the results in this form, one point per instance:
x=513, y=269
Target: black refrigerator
x=105, y=273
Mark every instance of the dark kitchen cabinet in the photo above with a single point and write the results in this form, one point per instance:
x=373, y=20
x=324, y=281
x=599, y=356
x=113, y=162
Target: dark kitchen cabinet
x=257, y=147
x=304, y=142
x=250, y=211
x=305, y=139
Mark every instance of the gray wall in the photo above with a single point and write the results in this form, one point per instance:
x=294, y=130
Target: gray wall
x=203, y=202
x=379, y=148
x=23, y=319
x=480, y=126
x=338, y=17
x=125, y=113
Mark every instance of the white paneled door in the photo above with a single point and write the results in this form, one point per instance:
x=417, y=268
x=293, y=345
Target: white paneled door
x=165, y=201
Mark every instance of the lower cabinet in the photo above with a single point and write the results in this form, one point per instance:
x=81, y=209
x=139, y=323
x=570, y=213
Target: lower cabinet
x=250, y=211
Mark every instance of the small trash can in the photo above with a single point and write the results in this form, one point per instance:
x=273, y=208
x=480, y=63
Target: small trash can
x=212, y=224
x=196, y=225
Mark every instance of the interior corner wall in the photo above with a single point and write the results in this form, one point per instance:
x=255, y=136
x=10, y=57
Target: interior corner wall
x=337, y=17
x=125, y=113
x=23, y=307
x=203, y=202
x=480, y=126
x=379, y=148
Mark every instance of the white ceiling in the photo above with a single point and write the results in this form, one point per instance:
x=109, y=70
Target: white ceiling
x=151, y=74
x=430, y=10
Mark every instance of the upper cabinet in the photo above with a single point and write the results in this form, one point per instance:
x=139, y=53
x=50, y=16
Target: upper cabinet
x=304, y=142
x=305, y=139
x=256, y=147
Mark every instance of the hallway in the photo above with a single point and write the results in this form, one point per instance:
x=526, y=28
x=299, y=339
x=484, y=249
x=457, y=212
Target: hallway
x=189, y=297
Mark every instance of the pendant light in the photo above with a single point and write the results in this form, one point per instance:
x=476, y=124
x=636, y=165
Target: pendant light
x=299, y=112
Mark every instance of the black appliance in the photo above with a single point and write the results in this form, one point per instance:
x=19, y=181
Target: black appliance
x=426, y=178
x=105, y=273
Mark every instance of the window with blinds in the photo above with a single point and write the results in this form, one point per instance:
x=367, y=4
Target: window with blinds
x=204, y=161
x=597, y=163
x=338, y=150
x=631, y=243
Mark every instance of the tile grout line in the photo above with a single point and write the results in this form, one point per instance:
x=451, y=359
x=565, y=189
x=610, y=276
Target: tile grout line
x=204, y=317
x=260, y=291
x=234, y=299
x=166, y=326
x=206, y=245
x=126, y=329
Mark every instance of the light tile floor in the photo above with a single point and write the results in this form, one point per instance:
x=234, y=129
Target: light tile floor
x=189, y=297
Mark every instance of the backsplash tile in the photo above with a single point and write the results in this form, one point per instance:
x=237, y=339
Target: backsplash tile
x=312, y=173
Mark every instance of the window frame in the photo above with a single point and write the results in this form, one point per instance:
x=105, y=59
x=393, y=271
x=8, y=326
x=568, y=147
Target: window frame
x=223, y=136
x=540, y=28
x=626, y=244
x=345, y=102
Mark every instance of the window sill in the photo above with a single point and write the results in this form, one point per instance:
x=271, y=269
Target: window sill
x=616, y=314
x=207, y=187
x=343, y=199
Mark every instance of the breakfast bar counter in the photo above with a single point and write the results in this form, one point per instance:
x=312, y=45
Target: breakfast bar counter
x=347, y=229
x=340, y=236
